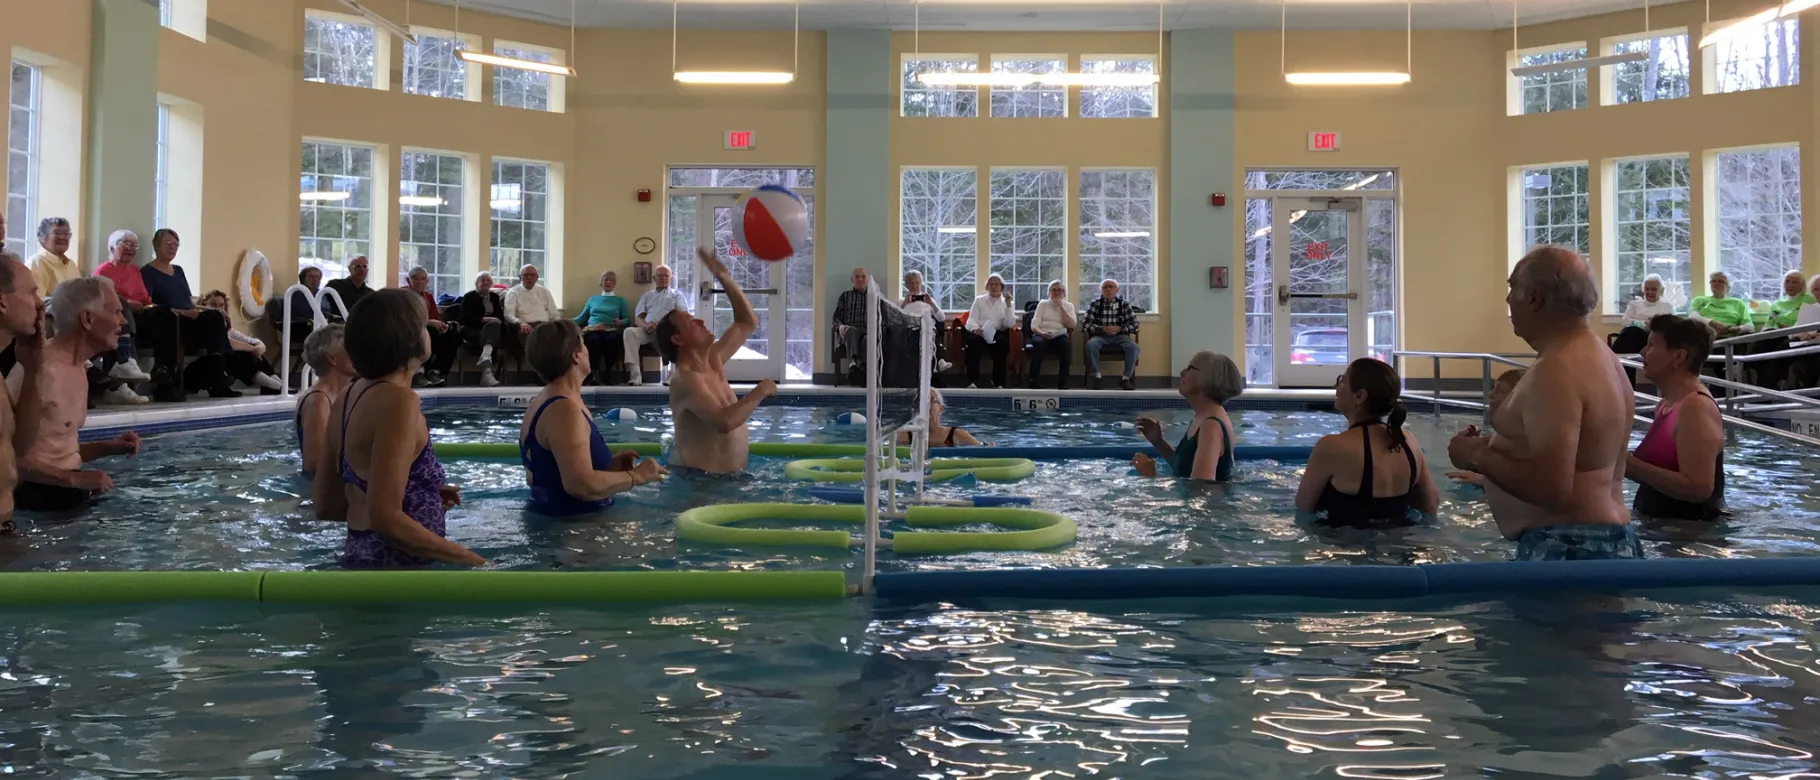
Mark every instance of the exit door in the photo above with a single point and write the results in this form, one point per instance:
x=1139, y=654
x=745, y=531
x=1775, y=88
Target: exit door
x=1318, y=264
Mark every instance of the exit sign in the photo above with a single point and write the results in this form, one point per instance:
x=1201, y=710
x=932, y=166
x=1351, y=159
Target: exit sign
x=1323, y=142
x=741, y=139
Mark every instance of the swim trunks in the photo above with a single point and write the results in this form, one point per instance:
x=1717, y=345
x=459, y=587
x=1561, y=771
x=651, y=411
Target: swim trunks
x=1579, y=543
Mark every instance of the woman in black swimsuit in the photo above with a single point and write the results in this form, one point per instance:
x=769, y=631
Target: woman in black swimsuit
x=325, y=354
x=941, y=435
x=1374, y=478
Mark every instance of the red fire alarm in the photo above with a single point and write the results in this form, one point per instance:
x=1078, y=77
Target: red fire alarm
x=644, y=196
x=1219, y=199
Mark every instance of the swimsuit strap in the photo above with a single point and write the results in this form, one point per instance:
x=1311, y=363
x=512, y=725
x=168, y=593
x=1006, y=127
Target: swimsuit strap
x=1365, y=486
x=531, y=433
x=950, y=440
x=347, y=412
x=1225, y=434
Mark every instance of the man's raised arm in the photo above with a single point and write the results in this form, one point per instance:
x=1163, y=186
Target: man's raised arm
x=745, y=321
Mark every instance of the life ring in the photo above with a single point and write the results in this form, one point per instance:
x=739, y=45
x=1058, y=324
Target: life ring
x=940, y=469
x=1034, y=529
x=255, y=275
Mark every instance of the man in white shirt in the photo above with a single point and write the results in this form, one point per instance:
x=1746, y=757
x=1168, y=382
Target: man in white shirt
x=1049, y=328
x=653, y=307
x=988, y=322
x=528, y=305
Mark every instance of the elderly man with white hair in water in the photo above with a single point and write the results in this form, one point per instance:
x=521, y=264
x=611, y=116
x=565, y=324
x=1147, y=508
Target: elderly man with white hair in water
x=1554, y=465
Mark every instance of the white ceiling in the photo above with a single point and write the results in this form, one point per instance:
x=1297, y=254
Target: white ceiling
x=1019, y=15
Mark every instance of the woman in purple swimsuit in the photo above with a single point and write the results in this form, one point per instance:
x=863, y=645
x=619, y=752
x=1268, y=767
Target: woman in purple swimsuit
x=377, y=472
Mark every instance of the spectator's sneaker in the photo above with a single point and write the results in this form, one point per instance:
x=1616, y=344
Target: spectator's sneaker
x=268, y=382
x=1096, y=381
x=1127, y=384
x=487, y=379
x=637, y=378
x=419, y=380
x=223, y=391
x=486, y=358
x=122, y=395
x=943, y=365
x=435, y=378
x=128, y=371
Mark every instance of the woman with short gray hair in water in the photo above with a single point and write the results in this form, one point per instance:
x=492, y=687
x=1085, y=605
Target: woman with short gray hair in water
x=1209, y=381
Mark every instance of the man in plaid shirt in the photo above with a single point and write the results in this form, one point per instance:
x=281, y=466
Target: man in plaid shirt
x=850, y=324
x=1111, y=322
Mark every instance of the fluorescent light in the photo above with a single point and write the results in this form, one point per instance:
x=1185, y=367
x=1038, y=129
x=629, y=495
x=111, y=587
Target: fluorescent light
x=380, y=21
x=1662, y=260
x=946, y=79
x=1793, y=7
x=513, y=62
x=1741, y=26
x=1346, y=79
x=419, y=200
x=1124, y=234
x=323, y=195
x=1098, y=79
x=1584, y=62
x=1001, y=79
x=957, y=230
x=507, y=204
x=735, y=76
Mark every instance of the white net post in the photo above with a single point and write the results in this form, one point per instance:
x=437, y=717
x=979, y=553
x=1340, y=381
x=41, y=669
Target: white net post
x=925, y=375
x=871, y=362
x=899, y=356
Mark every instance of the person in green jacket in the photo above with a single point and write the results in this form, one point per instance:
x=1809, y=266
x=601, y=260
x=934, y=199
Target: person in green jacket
x=601, y=319
x=1727, y=316
x=1783, y=313
x=1785, y=310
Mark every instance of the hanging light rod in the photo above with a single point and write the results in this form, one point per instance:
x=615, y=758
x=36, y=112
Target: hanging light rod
x=1046, y=79
x=1752, y=22
x=739, y=76
x=1586, y=63
x=1352, y=78
x=513, y=62
x=379, y=21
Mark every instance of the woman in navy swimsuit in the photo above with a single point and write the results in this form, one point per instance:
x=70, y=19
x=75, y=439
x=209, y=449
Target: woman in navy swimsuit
x=377, y=471
x=567, y=463
x=324, y=353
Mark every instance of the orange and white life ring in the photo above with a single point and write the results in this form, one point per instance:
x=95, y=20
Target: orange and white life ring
x=255, y=276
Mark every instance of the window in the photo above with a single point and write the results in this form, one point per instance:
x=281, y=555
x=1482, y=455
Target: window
x=520, y=201
x=1652, y=208
x=337, y=206
x=1555, y=209
x=1118, y=102
x=339, y=52
x=22, y=159
x=429, y=219
x=1034, y=99
x=1118, y=234
x=1768, y=56
x=938, y=233
x=1759, y=218
x=433, y=66
x=519, y=88
x=1562, y=90
x=164, y=13
x=161, y=177
x=1260, y=292
x=1661, y=77
x=1029, y=242
x=921, y=99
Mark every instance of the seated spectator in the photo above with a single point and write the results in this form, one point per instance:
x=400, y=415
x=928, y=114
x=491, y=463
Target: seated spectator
x=1679, y=467
x=353, y=288
x=52, y=265
x=655, y=305
x=1209, y=381
x=1368, y=481
x=850, y=325
x=122, y=250
x=1111, y=322
x=1500, y=390
x=1050, y=325
x=1635, y=330
x=303, y=318
x=601, y=319
x=481, y=313
x=172, y=316
x=328, y=358
x=989, y=325
x=1805, y=369
x=445, y=338
x=1783, y=312
x=1725, y=315
x=918, y=300
x=529, y=304
x=567, y=464
x=50, y=411
x=941, y=435
x=246, y=361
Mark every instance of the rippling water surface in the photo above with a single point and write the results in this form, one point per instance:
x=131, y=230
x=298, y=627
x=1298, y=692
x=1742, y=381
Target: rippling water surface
x=1693, y=685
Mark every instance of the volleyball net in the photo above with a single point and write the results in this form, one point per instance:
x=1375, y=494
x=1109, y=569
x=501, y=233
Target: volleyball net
x=899, y=363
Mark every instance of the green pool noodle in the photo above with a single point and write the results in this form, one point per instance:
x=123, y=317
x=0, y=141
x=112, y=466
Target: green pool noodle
x=27, y=588
x=1035, y=529
x=940, y=469
x=509, y=450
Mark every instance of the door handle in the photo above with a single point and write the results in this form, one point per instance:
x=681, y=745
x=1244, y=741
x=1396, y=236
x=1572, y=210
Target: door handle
x=1284, y=295
x=759, y=291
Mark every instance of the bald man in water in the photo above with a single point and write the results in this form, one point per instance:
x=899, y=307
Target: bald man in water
x=1554, y=464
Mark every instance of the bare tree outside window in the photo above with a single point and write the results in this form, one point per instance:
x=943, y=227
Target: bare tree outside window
x=22, y=160
x=1555, y=208
x=938, y=232
x=1118, y=102
x=1260, y=302
x=1664, y=76
x=799, y=179
x=433, y=67
x=519, y=88
x=519, y=200
x=1562, y=90
x=1654, y=220
x=1759, y=219
x=161, y=173
x=921, y=99
x=1767, y=57
x=336, y=220
x=1118, y=234
x=429, y=219
x=337, y=52
x=1029, y=241
x=1030, y=100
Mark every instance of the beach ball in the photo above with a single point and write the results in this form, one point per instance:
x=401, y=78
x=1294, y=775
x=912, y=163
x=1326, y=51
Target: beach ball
x=850, y=418
x=770, y=223
x=622, y=414
x=1124, y=425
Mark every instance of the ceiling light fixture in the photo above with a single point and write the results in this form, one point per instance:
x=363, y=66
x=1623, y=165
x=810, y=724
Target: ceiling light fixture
x=1007, y=80
x=739, y=76
x=1124, y=234
x=1582, y=63
x=957, y=230
x=1755, y=21
x=323, y=196
x=419, y=200
x=534, y=66
x=506, y=204
x=379, y=21
x=1352, y=78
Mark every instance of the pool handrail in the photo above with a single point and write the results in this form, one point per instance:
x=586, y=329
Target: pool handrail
x=320, y=320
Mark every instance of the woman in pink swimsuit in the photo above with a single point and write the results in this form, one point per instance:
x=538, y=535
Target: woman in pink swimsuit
x=1680, y=466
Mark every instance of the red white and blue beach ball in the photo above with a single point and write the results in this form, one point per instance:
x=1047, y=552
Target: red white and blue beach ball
x=771, y=223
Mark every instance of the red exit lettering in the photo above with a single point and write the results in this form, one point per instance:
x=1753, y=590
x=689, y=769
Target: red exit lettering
x=1323, y=142
x=1316, y=251
x=739, y=139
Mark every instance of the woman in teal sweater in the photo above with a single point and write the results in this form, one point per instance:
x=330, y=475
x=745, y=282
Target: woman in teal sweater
x=601, y=319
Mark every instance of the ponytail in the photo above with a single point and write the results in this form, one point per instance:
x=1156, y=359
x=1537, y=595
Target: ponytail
x=1398, y=413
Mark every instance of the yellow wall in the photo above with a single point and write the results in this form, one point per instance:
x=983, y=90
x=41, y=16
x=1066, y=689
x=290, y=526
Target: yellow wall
x=55, y=36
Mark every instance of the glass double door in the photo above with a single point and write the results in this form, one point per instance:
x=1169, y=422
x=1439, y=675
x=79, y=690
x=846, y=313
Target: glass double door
x=762, y=356
x=1318, y=264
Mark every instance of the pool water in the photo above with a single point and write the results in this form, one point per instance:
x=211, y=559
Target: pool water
x=1689, y=684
